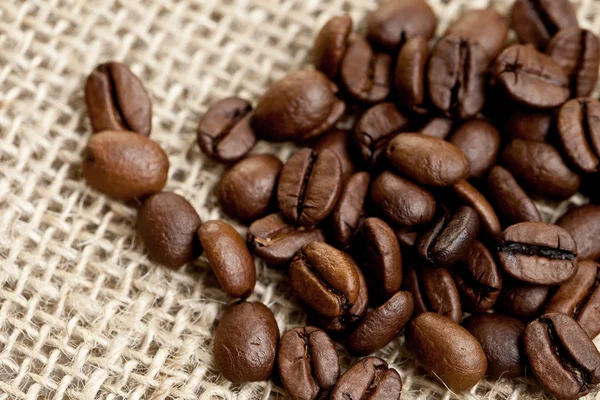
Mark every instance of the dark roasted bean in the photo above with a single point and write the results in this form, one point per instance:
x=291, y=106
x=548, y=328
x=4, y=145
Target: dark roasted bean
x=338, y=141
x=331, y=44
x=410, y=72
x=583, y=223
x=369, y=378
x=579, y=131
x=468, y=195
x=480, y=141
x=438, y=127
x=522, y=300
x=509, y=199
x=349, y=210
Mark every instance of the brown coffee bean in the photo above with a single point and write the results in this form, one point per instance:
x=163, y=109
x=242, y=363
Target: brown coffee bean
x=509, y=199
x=583, y=223
x=427, y=160
x=409, y=75
x=247, y=191
x=309, y=186
x=124, y=165
x=480, y=141
x=522, y=300
x=579, y=132
x=407, y=236
x=245, y=342
x=527, y=124
x=446, y=350
x=349, y=210
x=381, y=325
x=338, y=141
x=325, y=279
x=117, y=101
x=369, y=378
x=468, y=195
x=224, y=133
x=167, y=224
x=438, y=127
x=331, y=44
x=228, y=257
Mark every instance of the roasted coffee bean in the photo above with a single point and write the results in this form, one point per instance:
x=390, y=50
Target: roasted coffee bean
x=578, y=52
x=500, y=339
x=509, y=199
x=478, y=280
x=536, y=21
x=438, y=127
x=480, y=141
x=247, y=190
x=407, y=236
x=338, y=141
x=538, y=253
x=446, y=350
x=579, y=132
x=468, y=195
x=540, y=168
x=325, y=279
x=528, y=124
x=330, y=45
x=427, y=160
x=531, y=78
x=409, y=75
x=349, y=210
x=579, y=298
x=299, y=107
x=583, y=223
x=369, y=378
x=448, y=240
x=245, y=342
x=308, y=363
x=117, y=101
x=167, y=224
x=374, y=130
x=124, y=165
x=401, y=201
x=522, y=300
x=381, y=325
x=562, y=357
x=455, y=76
x=274, y=240
x=309, y=186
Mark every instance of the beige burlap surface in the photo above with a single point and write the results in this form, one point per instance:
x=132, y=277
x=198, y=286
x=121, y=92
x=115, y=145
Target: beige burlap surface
x=83, y=313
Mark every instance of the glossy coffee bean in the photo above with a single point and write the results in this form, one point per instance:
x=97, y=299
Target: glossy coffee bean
x=349, y=210
x=583, y=223
x=401, y=201
x=528, y=124
x=480, y=141
x=579, y=131
x=537, y=253
x=562, y=357
x=522, y=300
x=325, y=279
x=276, y=242
x=382, y=325
x=245, y=342
x=124, y=165
x=369, y=378
x=410, y=72
x=339, y=142
x=117, y=101
x=539, y=167
x=447, y=351
x=500, y=339
x=308, y=363
x=468, y=195
x=309, y=186
x=407, y=236
x=331, y=44
x=298, y=107
x=224, y=133
x=510, y=201
x=167, y=224
x=438, y=127
x=247, y=191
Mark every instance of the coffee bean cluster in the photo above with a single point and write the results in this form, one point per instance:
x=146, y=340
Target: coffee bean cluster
x=419, y=214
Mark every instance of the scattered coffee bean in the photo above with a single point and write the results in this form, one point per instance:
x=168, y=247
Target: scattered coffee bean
x=331, y=44
x=480, y=141
x=338, y=141
x=468, y=195
x=438, y=127
x=409, y=75
x=527, y=124
x=579, y=132
x=583, y=223
x=509, y=199
x=369, y=378
x=349, y=210
x=522, y=300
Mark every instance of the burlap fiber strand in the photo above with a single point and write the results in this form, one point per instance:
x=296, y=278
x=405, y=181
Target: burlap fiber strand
x=83, y=313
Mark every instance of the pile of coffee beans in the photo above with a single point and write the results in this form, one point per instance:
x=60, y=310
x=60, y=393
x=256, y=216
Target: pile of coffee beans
x=418, y=222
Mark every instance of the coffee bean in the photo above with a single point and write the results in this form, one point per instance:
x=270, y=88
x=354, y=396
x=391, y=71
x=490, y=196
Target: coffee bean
x=369, y=378
x=583, y=223
x=274, y=240
x=522, y=300
x=468, y=195
x=167, y=224
x=338, y=141
x=349, y=210
x=500, y=339
x=407, y=236
x=427, y=160
x=401, y=201
x=446, y=350
x=537, y=253
x=247, y=191
x=579, y=132
x=448, y=240
x=365, y=74
x=117, y=101
x=531, y=78
x=381, y=325
x=325, y=279
x=509, y=199
x=540, y=168
x=527, y=124
x=480, y=141
x=308, y=362
x=124, y=165
x=331, y=44
x=298, y=107
x=228, y=257
x=245, y=342
x=562, y=357
x=578, y=52
x=224, y=133
x=309, y=186
x=438, y=127
x=409, y=75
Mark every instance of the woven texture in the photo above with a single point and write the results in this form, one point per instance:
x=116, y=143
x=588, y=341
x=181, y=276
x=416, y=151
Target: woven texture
x=83, y=313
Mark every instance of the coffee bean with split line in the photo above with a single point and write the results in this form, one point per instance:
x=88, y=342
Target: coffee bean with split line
x=579, y=131
x=369, y=378
x=349, y=210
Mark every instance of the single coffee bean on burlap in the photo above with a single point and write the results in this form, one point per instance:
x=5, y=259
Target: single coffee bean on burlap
x=368, y=378
x=410, y=73
x=349, y=211
x=579, y=131
x=339, y=142
x=521, y=300
x=330, y=45
x=583, y=223
x=480, y=141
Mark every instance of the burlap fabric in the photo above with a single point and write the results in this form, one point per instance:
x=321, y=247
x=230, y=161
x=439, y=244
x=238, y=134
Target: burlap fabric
x=83, y=313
